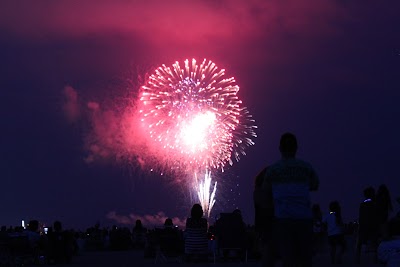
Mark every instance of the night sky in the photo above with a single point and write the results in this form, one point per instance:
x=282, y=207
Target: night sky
x=328, y=71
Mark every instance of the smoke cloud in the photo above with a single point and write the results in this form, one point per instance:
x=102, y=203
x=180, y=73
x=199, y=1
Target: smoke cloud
x=172, y=21
x=149, y=220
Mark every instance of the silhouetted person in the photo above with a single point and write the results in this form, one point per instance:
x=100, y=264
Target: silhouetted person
x=33, y=233
x=394, y=222
x=3, y=233
x=61, y=244
x=29, y=240
x=240, y=226
x=263, y=218
x=138, y=226
x=169, y=228
x=196, y=242
x=368, y=223
x=169, y=241
x=335, y=229
x=168, y=223
x=230, y=232
x=37, y=243
x=317, y=227
x=291, y=180
x=57, y=243
x=384, y=207
x=263, y=204
x=139, y=234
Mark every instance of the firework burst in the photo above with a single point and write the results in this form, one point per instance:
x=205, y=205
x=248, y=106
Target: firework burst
x=195, y=120
x=193, y=114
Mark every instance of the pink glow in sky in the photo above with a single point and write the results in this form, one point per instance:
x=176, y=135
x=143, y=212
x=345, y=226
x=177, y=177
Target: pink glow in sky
x=194, y=123
x=172, y=24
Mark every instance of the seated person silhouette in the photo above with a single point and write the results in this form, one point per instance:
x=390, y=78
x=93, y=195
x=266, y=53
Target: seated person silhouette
x=231, y=235
x=30, y=243
x=61, y=244
x=170, y=241
x=196, y=241
x=139, y=235
x=33, y=233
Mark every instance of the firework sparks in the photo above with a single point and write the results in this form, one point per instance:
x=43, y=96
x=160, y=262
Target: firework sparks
x=206, y=199
x=194, y=114
x=195, y=119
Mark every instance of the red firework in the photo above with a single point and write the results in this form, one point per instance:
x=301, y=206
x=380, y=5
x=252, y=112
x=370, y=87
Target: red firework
x=194, y=117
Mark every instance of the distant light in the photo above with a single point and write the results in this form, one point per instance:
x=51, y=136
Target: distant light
x=23, y=224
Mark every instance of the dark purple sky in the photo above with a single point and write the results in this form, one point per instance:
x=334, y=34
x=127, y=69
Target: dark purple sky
x=329, y=71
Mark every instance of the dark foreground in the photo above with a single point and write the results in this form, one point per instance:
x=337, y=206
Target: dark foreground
x=135, y=258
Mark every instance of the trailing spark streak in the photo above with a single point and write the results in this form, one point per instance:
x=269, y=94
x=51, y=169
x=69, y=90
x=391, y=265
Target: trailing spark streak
x=206, y=199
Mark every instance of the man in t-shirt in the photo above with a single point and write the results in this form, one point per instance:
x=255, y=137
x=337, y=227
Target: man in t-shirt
x=291, y=180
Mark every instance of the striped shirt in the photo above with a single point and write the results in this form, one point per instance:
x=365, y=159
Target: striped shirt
x=196, y=241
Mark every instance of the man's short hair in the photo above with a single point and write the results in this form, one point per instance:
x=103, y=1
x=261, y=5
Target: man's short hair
x=288, y=143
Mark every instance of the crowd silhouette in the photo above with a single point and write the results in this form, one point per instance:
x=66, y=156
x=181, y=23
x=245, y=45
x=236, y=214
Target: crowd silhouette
x=228, y=239
x=292, y=230
x=288, y=228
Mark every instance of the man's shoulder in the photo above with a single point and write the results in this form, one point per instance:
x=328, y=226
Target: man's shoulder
x=303, y=163
x=288, y=162
x=274, y=165
x=368, y=205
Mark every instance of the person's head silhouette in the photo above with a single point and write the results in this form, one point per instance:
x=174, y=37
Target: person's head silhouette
x=168, y=223
x=369, y=193
x=196, y=211
x=57, y=226
x=138, y=224
x=288, y=145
